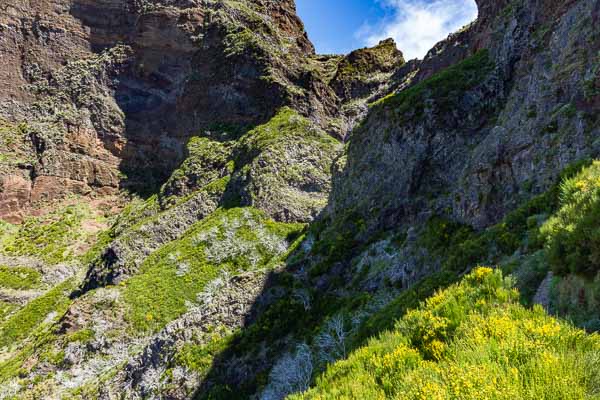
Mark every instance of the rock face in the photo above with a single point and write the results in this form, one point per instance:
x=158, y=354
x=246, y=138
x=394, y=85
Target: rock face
x=229, y=307
x=145, y=79
x=495, y=128
x=58, y=145
x=489, y=9
x=105, y=95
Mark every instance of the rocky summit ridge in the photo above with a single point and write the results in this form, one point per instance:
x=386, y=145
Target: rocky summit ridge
x=194, y=204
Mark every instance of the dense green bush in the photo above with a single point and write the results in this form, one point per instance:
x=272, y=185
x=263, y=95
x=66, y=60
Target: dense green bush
x=572, y=235
x=577, y=297
x=471, y=341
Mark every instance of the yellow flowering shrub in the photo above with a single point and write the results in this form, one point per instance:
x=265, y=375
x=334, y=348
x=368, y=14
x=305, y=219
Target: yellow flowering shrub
x=480, y=273
x=426, y=331
x=473, y=341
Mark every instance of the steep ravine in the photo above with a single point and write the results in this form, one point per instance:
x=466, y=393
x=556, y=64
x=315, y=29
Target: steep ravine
x=196, y=205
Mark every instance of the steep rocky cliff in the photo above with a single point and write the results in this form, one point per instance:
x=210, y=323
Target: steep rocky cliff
x=486, y=133
x=99, y=96
x=194, y=204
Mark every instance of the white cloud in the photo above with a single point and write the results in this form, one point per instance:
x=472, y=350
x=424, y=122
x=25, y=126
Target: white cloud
x=417, y=25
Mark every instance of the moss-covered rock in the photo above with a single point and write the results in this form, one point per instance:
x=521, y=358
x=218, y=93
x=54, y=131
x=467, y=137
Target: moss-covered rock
x=285, y=167
x=227, y=241
x=361, y=72
x=207, y=161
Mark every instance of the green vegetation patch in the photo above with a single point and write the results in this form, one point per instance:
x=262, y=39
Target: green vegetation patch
x=83, y=336
x=286, y=124
x=242, y=41
x=25, y=321
x=19, y=278
x=200, y=357
x=228, y=241
x=6, y=309
x=7, y=230
x=10, y=132
x=135, y=214
x=572, y=235
x=51, y=237
x=207, y=162
x=578, y=298
x=471, y=341
x=12, y=146
x=443, y=88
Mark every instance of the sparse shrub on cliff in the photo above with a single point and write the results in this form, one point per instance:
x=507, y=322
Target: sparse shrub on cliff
x=573, y=233
x=331, y=341
x=291, y=374
x=441, y=89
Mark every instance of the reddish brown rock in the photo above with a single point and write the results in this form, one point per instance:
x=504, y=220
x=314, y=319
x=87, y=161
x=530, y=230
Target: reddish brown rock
x=15, y=195
x=111, y=91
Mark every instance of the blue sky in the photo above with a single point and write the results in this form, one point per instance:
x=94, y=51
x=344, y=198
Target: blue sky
x=340, y=26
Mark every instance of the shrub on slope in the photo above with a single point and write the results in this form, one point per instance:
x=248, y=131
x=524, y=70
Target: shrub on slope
x=471, y=341
x=573, y=233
